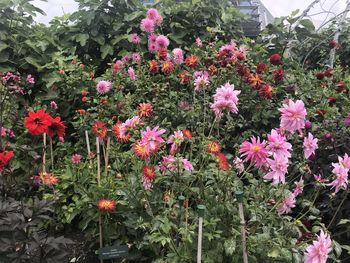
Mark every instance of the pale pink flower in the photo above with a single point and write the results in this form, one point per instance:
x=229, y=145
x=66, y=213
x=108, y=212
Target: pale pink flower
x=184, y=105
x=136, y=57
x=30, y=79
x=53, y=105
x=135, y=38
x=175, y=140
x=278, y=145
x=152, y=138
x=254, y=151
x=178, y=56
x=243, y=49
x=287, y=204
x=341, y=177
x=319, y=179
x=162, y=41
x=76, y=158
x=293, y=116
x=278, y=169
x=225, y=98
x=152, y=38
x=310, y=145
x=239, y=165
x=344, y=161
x=167, y=163
x=299, y=187
x=147, y=25
x=147, y=183
x=201, y=73
x=319, y=250
x=187, y=165
x=199, y=42
x=131, y=73
x=103, y=86
x=130, y=124
x=201, y=83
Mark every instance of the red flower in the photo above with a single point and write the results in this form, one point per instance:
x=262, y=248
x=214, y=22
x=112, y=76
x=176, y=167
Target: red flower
x=153, y=66
x=141, y=150
x=319, y=75
x=278, y=74
x=266, y=92
x=223, y=162
x=332, y=100
x=168, y=67
x=333, y=44
x=5, y=159
x=106, y=205
x=187, y=134
x=37, y=122
x=118, y=134
x=275, y=59
x=145, y=110
x=149, y=172
x=328, y=72
x=48, y=179
x=261, y=67
x=84, y=93
x=99, y=129
x=56, y=127
x=185, y=77
x=340, y=86
x=242, y=70
x=191, y=61
x=84, y=99
x=162, y=53
x=214, y=147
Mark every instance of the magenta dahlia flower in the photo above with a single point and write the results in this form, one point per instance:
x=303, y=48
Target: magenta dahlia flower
x=310, y=145
x=287, y=204
x=277, y=144
x=135, y=38
x=147, y=25
x=319, y=250
x=178, y=56
x=103, y=86
x=278, y=169
x=162, y=41
x=254, y=151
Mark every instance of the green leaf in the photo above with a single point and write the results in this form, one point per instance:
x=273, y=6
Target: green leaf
x=82, y=38
x=274, y=253
x=32, y=61
x=3, y=46
x=4, y=56
x=343, y=221
x=295, y=12
x=230, y=246
x=106, y=50
x=307, y=23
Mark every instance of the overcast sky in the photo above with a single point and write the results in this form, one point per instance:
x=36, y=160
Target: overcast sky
x=276, y=7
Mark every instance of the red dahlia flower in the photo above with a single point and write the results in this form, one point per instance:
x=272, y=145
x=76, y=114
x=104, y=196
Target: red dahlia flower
x=106, y=205
x=5, y=159
x=191, y=61
x=37, y=122
x=224, y=165
x=214, y=147
x=145, y=110
x=56, y=127
x=153, y=66
x=276, y=59
x=99, y=129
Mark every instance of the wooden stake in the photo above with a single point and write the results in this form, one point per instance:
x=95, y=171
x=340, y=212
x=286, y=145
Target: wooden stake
x=107, y=154
x=51, y=154
x=99, y=184
x=239, y=196
x=88, y=146
x=201, y=209
x=44, y=152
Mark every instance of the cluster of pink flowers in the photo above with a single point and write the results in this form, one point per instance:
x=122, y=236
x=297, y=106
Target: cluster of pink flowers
x=129, y=124
x=293, y=116
x=319, y=250
x=7, y=132
x=153, y=18
x=230, y=53
x=172, y=164
x=10, y=77
x=225, y=98
x=103, y=87
x=178, y=56
x=341, y=171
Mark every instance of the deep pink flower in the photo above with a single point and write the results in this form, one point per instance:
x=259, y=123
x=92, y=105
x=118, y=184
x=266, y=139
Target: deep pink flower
x=147, y=25
x=287, y=204
x=293, y=115
x=131, y=73
x=254, y=151
x=136, y=57
x=187, y=165
x=152, y=13
x=175, y=140
x=178, y=56
x=152, y=47
x=278, y=169
x=319, y=250
x=30, y=79
x=152, y=138
x=277, y=144
x=103, y=86
x=347, y=119
x=76, y=158
x=162, y=41
x=199, y=42
x=310, y=145
x=135, y=38
x=53, y=105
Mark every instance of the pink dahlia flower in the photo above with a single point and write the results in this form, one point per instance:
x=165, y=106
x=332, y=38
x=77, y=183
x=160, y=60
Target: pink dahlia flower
x=239, y=165
x=201, y=83
x=76, y=158
x=175, y=140
x=162, y=41
x=30, y=79
x=152, y=13
x=136, y=57
x=287, y=204
x=310, y=145
x=319, y=250
x=152, y=138
x=254, y=151
x=293, y=116
x=278, y=169
x=225, y=98
x=344, y=161
x=299, y=187
x=131, y=73
x=199, y=42
x=53, y=105
x=347, y=119
x=178, y=56
x=103, y=86
x=135, y=38
x=277, y=144
x=147, y=25
x=341, y=177
x=187, y=165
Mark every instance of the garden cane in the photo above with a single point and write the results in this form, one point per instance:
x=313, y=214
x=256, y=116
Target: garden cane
x=99, y=184
x=239, y=197
x=201, y=209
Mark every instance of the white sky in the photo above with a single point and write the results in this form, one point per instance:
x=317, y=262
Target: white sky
x=276, y=7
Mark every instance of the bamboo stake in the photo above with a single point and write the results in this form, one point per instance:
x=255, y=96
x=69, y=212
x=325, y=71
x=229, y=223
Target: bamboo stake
x=88, y=145
x=44, y=153
x=201, y=209
x=51, y=154
x=107, y=154
x=99, y=184
x=239, y=196
x=337, y=33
